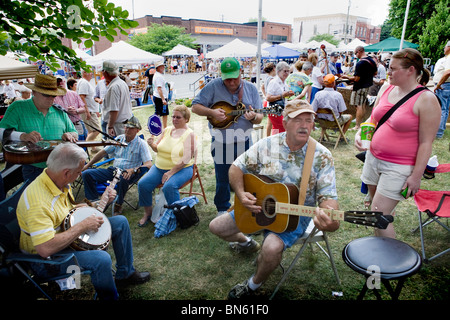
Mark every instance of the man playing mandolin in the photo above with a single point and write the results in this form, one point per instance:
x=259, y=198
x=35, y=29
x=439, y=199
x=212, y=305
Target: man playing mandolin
x=280, y=158
x=42, y=210
x=230, y=142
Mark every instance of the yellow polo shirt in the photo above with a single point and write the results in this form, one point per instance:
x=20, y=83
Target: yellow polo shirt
x=41, y=210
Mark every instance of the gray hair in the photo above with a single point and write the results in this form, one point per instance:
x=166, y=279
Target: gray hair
x=282, y=65
x=66, y=156
x=307, y=66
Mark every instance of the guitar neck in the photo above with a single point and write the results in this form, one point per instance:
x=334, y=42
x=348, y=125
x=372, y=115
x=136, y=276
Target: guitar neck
x=305, y=211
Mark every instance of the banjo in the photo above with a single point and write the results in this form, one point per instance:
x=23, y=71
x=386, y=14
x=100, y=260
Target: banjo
x=92, y=240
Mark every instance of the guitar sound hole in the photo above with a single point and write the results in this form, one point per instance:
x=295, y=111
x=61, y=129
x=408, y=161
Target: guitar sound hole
x=269, y=207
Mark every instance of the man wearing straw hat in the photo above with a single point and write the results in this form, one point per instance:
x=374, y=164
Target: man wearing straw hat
x=38, y=114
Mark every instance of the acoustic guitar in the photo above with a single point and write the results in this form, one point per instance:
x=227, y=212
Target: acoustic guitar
x=234, y=112
x=280, y=211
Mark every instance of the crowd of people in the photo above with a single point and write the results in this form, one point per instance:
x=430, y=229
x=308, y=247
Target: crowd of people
x=395, y=161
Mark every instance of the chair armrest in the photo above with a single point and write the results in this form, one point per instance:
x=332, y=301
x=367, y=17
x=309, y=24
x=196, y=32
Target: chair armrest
x=53, y=260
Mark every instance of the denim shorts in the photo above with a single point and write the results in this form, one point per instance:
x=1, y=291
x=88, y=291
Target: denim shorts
x=288, y=237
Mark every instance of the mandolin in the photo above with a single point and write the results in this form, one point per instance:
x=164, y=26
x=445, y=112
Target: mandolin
x=280, y=211
x=234, y=112
x=21, y=152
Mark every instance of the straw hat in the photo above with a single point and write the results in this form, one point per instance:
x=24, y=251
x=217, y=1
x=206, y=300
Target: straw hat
x=46, y=84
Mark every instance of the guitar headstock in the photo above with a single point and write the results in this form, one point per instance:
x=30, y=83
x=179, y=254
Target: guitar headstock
x=117, y=173
x=369, y=218
x=276, y=109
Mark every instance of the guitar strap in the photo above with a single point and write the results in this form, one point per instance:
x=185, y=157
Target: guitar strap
x=307, y=166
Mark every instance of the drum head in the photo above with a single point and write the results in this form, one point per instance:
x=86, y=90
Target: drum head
x=92, y=238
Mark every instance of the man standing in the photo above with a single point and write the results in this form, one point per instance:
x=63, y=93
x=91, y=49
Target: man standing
x=365, y=70
x=442, y=89
x=45, y=204
x=160, y=93
x=134, y=159
x=87, y=92
x=117, y=102
x=280, y=158
x=227, y=144
x=38, y=114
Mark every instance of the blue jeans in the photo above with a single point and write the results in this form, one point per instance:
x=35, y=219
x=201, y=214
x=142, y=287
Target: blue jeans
x=99, y=262
x=224, y=156
x=444, y=96
x=170, y=188
x=92, y=177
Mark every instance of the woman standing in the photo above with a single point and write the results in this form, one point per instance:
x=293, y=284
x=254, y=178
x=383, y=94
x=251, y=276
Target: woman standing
x=173, y=165
x=277, y=91
x=316, y=75
x=401, y=147
x=160, y=93
x=270, y=70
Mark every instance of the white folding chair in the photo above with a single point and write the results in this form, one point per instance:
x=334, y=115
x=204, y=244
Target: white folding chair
x=311, y=235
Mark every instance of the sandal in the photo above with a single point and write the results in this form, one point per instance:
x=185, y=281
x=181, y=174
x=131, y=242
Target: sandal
x=145, y=223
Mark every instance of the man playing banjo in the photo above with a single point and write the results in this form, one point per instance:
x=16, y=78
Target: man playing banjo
x=43, y=207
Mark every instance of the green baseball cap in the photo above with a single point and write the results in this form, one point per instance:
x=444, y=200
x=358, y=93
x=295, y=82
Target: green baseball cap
x=230, y=68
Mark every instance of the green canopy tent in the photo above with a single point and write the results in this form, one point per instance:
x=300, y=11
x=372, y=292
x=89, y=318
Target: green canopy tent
x=389, y=44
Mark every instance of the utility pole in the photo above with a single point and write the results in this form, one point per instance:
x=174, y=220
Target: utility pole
x=346, y=24
x=258, y=44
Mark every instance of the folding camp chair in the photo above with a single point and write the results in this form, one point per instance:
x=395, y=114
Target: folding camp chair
x=436, y=204
x=326, y=124
x=13, y=261
x=311, y=235
x=190, y=182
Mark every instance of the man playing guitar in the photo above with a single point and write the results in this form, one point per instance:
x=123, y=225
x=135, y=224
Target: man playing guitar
x=281, y=158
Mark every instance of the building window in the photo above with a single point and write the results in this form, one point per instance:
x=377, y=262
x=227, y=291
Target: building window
x=276, y=38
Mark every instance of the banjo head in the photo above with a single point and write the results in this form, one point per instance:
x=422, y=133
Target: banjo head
x=91, y=240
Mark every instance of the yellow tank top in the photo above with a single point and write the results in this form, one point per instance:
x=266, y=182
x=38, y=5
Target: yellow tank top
x=170, y=150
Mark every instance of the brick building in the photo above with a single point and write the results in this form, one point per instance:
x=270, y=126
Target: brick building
x=210, y=34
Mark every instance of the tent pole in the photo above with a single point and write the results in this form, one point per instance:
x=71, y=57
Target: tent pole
x=258, y=43
x=404, y=25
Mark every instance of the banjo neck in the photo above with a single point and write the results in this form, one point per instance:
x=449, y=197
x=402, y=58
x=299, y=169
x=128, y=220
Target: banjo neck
x=105, y=196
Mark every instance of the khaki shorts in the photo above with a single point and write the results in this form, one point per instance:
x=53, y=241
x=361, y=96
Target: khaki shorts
x=94, y=121
x=387, y=176
x=359, y=97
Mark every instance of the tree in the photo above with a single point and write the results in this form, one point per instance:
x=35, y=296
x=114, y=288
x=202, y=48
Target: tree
x=419, y=13
x=436, y=32
x=327, y=37
x=161, y=37
x=37, y=27
x=386, y=30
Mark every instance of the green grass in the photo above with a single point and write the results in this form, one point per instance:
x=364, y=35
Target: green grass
x=193, y=264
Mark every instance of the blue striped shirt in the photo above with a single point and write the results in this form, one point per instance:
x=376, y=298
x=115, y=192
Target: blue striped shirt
x=131, y=156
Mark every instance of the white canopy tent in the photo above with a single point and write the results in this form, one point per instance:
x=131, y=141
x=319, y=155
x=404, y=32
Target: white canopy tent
x=299, y=46
x=180, y=50
x=13, y=69
x=236, y=48
x=124, y=54
x=351, y=45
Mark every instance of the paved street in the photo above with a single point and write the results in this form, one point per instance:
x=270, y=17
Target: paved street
x=182, y=82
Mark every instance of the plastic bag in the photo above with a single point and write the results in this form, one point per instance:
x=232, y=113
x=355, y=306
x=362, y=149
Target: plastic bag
x=158, y=209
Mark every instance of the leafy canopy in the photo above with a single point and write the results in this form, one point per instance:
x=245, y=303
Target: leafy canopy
x=161, y=37
x=36, y=27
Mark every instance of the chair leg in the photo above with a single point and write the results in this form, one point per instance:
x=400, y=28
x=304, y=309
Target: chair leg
x=297, y=256
x=330, y=256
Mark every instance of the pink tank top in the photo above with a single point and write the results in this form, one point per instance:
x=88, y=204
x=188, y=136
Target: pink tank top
x=397, y=140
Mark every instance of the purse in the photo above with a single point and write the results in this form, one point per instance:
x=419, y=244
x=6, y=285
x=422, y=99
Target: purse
x=186, y=215
x=362, y=155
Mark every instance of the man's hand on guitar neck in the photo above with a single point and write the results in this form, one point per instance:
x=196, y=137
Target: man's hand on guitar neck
x=322, y=221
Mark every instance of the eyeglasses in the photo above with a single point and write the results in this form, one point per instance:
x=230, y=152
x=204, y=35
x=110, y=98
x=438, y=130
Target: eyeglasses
x=392, y=70
x=47, y=95
x=177, y=117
